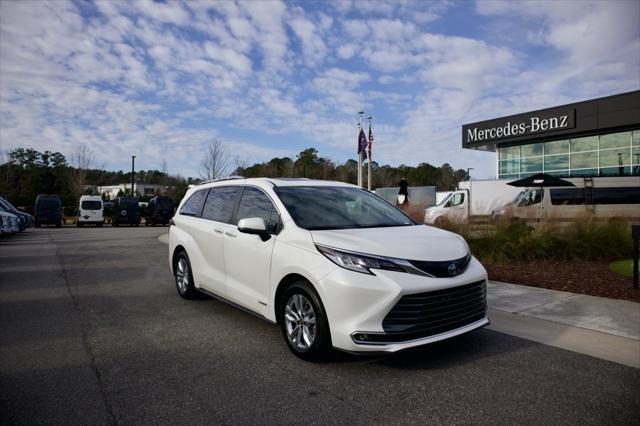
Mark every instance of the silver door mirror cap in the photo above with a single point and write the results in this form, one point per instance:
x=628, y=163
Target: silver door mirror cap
x=252, y=225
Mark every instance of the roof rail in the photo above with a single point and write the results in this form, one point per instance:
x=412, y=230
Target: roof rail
x=221, y=179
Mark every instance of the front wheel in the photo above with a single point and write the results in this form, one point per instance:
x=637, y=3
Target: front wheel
x=184, y=277
x=304, y=323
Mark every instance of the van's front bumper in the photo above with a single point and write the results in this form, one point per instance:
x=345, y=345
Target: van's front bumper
x=357, y=305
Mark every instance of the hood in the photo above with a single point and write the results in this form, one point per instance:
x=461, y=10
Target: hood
x=419, y=242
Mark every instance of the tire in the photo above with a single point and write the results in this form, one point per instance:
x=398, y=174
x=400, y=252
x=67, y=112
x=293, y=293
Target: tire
x=100, y=225
x=307, y=340
x=37, y=225
x=184, y=277
x=441, y=222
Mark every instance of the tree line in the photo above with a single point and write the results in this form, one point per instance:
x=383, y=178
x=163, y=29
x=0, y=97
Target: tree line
x=310, y=165
x=26, y=172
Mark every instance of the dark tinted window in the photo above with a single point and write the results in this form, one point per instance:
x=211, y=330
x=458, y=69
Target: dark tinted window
x=193, y=206
x=220, y=203
x=567, y=196
x=255, y=203
x=616, y=195
x=91, y=205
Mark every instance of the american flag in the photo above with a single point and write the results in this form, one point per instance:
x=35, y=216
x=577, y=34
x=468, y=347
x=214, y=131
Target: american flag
x=370, y=142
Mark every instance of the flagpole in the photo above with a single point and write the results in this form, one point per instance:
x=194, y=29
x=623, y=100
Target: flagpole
x=360, y=113
x=369, y=161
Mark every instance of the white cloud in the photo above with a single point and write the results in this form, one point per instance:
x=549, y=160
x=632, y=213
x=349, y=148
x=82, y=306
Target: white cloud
x=346, y=51
x=162, y=79
x=313, y=48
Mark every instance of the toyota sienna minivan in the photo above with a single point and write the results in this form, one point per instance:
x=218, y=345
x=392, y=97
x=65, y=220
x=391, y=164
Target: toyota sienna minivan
x=334, y=265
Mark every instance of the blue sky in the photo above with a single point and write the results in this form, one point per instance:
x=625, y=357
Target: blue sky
x=270, y=78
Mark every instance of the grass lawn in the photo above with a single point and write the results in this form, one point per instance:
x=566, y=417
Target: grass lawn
x=623, y=267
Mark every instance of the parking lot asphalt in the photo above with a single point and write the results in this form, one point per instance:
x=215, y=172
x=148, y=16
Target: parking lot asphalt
x=93, y=331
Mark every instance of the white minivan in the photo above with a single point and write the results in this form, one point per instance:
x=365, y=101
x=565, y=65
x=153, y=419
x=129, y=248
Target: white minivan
x=90, y=210
x=333, y=264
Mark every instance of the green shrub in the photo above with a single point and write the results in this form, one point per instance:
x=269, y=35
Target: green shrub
x=582, y=239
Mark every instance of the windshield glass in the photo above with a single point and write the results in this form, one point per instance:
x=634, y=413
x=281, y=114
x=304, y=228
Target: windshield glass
x=444, y=200
x=518, y=197
x=128, y=203
x=91, y=205
x=49, y=204
x=327, y=207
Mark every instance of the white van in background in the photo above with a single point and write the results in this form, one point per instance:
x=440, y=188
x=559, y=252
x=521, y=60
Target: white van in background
x=599, y=197
x=474, y=201
x=90, y=210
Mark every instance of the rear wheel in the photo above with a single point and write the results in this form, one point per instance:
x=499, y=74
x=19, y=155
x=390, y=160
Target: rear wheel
x=184, y=277
x=304, y=323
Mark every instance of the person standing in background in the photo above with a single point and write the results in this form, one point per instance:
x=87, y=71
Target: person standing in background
x=403, y=194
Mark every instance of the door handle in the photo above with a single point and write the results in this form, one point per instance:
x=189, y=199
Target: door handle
x=218, y=231
x=230, y=234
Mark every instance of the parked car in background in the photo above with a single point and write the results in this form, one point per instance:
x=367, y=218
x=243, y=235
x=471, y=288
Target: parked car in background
x=159, y=211
x=48, y=210
x=22, y=220
x=26, y=220
x=125, y=211
x=90, y=211
x=333, y=264
x=10, y=224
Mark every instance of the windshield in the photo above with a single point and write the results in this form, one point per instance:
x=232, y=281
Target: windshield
x=518, y=197
x=128, y=203
x=444, y=200
x=49, y=204
x=91, y=205
x=330, y=207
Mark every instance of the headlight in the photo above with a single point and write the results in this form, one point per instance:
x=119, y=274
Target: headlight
x=358, y=262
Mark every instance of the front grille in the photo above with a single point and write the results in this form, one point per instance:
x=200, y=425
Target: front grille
x=449, y=268
x=422, y=315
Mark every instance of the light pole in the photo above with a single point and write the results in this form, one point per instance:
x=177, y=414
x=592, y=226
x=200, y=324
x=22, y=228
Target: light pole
x=133, y=174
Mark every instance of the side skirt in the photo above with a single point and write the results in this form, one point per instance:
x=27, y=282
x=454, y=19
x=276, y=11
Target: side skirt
x=235, y=305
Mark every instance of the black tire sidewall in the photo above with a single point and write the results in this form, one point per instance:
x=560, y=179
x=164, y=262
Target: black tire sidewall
x=322, y=341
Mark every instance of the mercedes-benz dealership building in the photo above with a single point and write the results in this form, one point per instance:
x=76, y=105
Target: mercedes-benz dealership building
x=598, y=137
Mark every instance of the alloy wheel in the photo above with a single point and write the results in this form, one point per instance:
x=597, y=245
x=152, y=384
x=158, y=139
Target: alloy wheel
x=300, y=320
x=182, y=275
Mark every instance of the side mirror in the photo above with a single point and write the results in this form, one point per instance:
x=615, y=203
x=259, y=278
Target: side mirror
x=255, y=226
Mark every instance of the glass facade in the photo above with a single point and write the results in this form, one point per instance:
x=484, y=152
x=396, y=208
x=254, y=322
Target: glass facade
x=611, y=154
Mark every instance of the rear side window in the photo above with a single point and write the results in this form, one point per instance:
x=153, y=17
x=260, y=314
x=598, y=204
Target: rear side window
x=91, y=205
x=220, y=203
x=193, y=206
x=629, y=195
x=255, y=203
x=567, y=196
